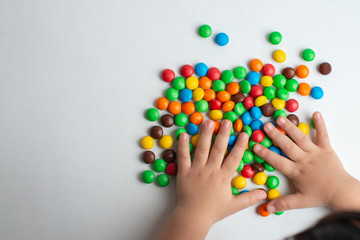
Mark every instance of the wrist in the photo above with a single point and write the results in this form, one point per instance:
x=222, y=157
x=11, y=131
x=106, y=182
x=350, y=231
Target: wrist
x=195, y=214
x=347, y=195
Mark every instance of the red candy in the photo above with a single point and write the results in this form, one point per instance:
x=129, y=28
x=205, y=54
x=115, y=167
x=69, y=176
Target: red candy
x=292, y=105
x=171, y=169
x=215, y=105
x=258, y=136
x=268, y=70
x=187, y=70
x=247, y=171
x=256, y=91
x=168, y=75
x=214, y=73
x=248, y=102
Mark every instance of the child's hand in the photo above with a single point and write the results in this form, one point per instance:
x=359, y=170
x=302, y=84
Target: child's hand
x=315, y=169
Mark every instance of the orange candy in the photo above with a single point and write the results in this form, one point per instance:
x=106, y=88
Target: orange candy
x=302, y=71
x=217, y=127
x=233, y=88
x=162, y=103
x=280, y=130
x=256, y=65
x=188, y=108
x=228, y=106
x=238, y=125
x=262, y=210
x=205, y=82
x=209, y=95
x=174, y=107
x=196, y=118
x=304, y=89
x=223, y=96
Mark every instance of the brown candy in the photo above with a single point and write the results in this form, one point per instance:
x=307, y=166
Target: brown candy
x=169, y=155
x=149, y=157
x=238, y=98
x=267, y=110
x=167, y=120
x=325, y=68
x=294, y=119
x=156, y=132
x=288, y=73
x=258, y=167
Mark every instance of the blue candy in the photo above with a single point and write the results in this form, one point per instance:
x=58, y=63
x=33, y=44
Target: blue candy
x=246, y=118
x=253, y=77
x=274, y=149
x=257, y=125
x=255, y=112
x=232, y=140
x=222, y=39
x=185, y=95
x=317, y=93
x=201, y=69
x=192, y=129
x=243, y=191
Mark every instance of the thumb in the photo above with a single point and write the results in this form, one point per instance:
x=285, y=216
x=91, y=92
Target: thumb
x=248, y=199
x=287, y=202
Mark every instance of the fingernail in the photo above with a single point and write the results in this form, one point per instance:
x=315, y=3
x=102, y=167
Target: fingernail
x=281, y=119
x=270, y=209
x=243, y=136
x=227, y=123
x=184, y=136
x=269, y=126
x=209, y=124
x=317, y=115
x=263, y=194
x=256, y=147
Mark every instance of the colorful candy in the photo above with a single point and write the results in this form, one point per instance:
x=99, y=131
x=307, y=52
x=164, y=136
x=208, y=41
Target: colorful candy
x=205, y=31
x=147, y=142
x=166, y=142
x=308, y=54
x=222, y=39
x=163, y=180
x=260, y=178
x=201, y=69
x=239, y=182
x=317, y=93
x=148, y=176
x=279, y=56
x=159, y=165
x=275, y=38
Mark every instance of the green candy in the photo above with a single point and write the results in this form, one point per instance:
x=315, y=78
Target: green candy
x=247, y=129
x=230, y=116
x=308, y=54
x=291, y=85
x=181, y=120
x=279, y=113
x=235, y=191
x=148, y=176
x=172, y=94
x=282, y=93
x=312, y=123
x=279, y=80
x=159, y=165
x=191, y=147
x=270, y=92
x=239, y=109
x=179, y=132
x=245, y=86
x=202, y=106
x=152, y=114
x=268, y=167
x=272, y=182
x=218, y=86
x=205, y=31
x=163, y=180
x=279, y=213
x=240, y=167
x=248, y=156
x=266, y=142
x=232, y=131
x=258, y=159
x=227, y=76
x=275, y=38
x=251, y=144
x=240, y=72
x=179, y=83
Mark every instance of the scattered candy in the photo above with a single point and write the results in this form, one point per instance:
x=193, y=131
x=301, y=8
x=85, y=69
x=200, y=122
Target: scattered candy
x=156, y=132
x=317, y=93
x=168, y=75
x=325, y=68
x=275, y=38
x=152, y=114
x=169, y=155
x=273, y=193
x=166, y=142
x=159, y=165
x=163, y=180
x=262, y=210
x=147, y=142
x=148, y=157
x=222, y=39
x=205, y=31
x=308, y=54
x=148, y=176
x=279, y=56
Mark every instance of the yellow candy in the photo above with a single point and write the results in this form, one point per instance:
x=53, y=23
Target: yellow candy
x=239, y=182
x=147, y=142
x=195, y=139
x=279, y=56
x=261, y=100
x=266, y=81
x=198, y=94
x=278, y=103
x=215, y=115
x=226, y=153
x=260, y=178
x=272, y=194
x=304, y=128
x=166, y=142
x=192, y=83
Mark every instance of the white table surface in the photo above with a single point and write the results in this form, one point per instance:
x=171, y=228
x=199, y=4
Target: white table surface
x=77, y=76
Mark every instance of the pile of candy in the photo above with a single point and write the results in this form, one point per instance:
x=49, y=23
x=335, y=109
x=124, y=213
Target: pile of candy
x=241, y=96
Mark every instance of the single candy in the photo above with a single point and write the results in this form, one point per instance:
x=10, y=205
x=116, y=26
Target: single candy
x=256, y=91
x=205, y=31
x=168, y=75
x=268, y=70
x=234, y=191
x=304, y=128
x=185, y=95
x=223, y=96
x=267, y=110
x=192, y=129
x=308, y=54
x=245, y=86
x=292, y=105
x=247, y=171
x=238, y=125
x=266, y=81
x=233, y=88
x=256, y=124
x=304, y=89
x=302, y=71
x=202, y=106
x=222, y=39
x=268, y=167
x=166, y=142
x=275, y=38
x=228, y=106
x=232, y=141
x=279, y=213
x=279, y=113
x=240, y=167
x=198, y=94
x=215, y=115
x=195, y=139
x=260, y=101
x=258, y=167
x=258, y=159
x=162, y=103
x=174, y=107
x=248, y=156
x=240, y=72
x=156, y=132
x=181, y=120
x=312, y=123
x=270, y=92
x=159, y=165
x=179, y=83
x=291, y=85
x=227, y=76
x=169, y=155
x=279, y=56
x=214, y=73
x=149, y=157
x=256, y=65
x=262, y=210
x=260, y=178
x=317, y=93
x=238, y=98
x=171, y=169
x=188, y=107
x=272, y=182
x=267, y=142
x=215, y=104
x=278, y=103
x=179, y=132
x=196, y=118
x=187, y=70
x=294, y=119
x=253, y=77
x=248, y=102
x=192, y=82
x=148, y=176
x=258, y=136
x=273, y=193
x=246, y=118
x=239, y=109
x=325, y=68
x=279, y=80
x=251, y=144
x=255, y=112
x=247, y=129
x=239, y=182
x=230, y=116
x=218, y=86
x=163, y=180
x=282, y=93
x=167, y=120
x=201, y=69
x=147, y=142
x=152, y=114
x=288, y=72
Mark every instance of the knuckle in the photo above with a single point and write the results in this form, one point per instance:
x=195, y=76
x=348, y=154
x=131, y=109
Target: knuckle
x=281, y=205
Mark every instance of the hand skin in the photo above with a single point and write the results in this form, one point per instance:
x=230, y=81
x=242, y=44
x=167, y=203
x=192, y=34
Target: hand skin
x=203, y=186
x=314, y=168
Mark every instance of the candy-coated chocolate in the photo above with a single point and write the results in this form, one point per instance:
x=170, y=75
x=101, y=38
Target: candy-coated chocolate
x=156, y=132
x=148, y=157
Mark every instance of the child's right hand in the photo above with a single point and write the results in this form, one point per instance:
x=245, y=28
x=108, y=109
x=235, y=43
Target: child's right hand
x=315, y=169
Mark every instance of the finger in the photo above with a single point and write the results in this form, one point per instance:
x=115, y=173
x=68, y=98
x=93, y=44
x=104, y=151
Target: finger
x=203, y=146
x=247, y=199
x=322, y=137
x=280, y=163
x=184, y=160
x=287, y=146
x=222, y=139
x=287, y=202
x=295, y=133
x=232, y=162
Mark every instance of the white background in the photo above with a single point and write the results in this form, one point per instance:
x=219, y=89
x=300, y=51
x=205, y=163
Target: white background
x=77, y=76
